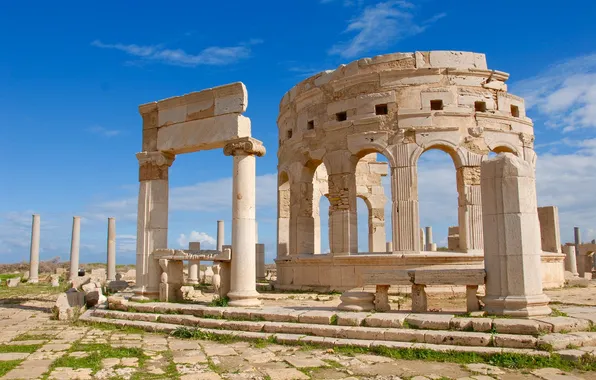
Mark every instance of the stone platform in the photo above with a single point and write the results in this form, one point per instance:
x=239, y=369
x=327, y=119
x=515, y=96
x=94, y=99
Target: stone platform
x=569, y=337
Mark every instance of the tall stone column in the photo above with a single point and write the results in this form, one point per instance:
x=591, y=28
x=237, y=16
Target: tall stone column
x=376, y=229
x=220, y=235
x=428, y=243
x=74, y=247
x=152, y=222
x=512, y=247
x=302, y=222
x=343, y=222
x=469, y=209
x=404, y=190
x=34, y=252
x=243, y=272
x=111, y=272
x=283, y=219
x=260, y=260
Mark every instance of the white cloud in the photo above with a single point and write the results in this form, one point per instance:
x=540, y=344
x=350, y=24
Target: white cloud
x=213, y=55
x=98, y=130
x=565, y=93
x=202, y=237
x=380, y=25
x=126, y=243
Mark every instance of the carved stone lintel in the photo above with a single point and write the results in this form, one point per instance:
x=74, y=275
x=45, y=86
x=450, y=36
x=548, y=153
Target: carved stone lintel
x=527, y=140
x=244, y=146
x=154, y=165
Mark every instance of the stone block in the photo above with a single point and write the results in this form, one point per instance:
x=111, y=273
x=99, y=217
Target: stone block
x=565, y=324
x=13, y=282
x=430, y=321
x=317, y=317
x=520, y=326
x=514, y=341
x=351, y=319
x=69, y=304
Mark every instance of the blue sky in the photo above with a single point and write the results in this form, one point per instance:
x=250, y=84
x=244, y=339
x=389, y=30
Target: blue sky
x=72, y=75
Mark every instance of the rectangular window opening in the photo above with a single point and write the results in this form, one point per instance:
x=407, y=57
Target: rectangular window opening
x=341, y=116
x=480, y=106
x=289, y=133
x=514, y=111
x=310, y=125
x=381, y=109
x=436, y=105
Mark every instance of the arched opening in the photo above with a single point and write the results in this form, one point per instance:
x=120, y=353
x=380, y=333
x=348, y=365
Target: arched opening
x=373, y=191
x=320, y=209
x=283, y=215
x=438, y=200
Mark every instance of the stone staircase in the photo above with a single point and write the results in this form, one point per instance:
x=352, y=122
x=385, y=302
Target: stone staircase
x=572, y=338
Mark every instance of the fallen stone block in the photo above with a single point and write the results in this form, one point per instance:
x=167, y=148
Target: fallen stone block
x=117, y=286
x=13, y=282
x=69, y=304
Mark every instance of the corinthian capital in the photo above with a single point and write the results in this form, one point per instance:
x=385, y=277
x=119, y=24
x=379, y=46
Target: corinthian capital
x=244, y=146
x=527, y=140
x=154, y=165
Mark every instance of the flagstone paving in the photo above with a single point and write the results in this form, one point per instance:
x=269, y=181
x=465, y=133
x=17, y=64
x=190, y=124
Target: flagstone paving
x=35, y=347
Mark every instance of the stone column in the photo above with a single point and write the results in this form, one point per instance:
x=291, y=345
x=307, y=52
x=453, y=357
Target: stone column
x=389, y=246
x=571, y=260
x=260, y=260
x=512, y=248
x=220, y=235
x=283, y=218
x=470, y=208
x=243, y=272
x=74, y=247
x=376, y=229
x=429, y=238
x=152, y=223
x=111, y=271
x=34, y=253
x=302, y=222
x=404, y=190
x=194, y=265
x=550, y=235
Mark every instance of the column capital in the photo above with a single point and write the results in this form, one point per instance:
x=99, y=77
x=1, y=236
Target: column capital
x=244, y=146
x=154, y=165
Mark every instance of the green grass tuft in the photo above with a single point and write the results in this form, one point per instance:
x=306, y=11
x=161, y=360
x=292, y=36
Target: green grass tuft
x=25, y=348
x=6, y=366
x=220, y=302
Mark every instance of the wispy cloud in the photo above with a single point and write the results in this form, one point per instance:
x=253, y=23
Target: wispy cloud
x=380, y=25
x=565, y=93
x=98, y=130
x=205, y=239
x=214, y=55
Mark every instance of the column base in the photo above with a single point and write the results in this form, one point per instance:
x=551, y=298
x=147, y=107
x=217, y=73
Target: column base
x=143, y=294
x=33, y=281
x=192, y=282
x=244, y=299
x=518, y=306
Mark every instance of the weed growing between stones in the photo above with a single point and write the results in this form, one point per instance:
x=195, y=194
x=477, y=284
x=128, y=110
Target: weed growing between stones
x=186, y=333
x=97, y=352
x=6, y=366
x=24, y=348
x=220, y=302
x=27, y=336
x=557, y=313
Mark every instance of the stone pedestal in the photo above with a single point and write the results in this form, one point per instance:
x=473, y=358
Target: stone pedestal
x=512, y=246
x=152, y=223
x=382, y=298
x=111, y=272
x=34, y=252
x=74, y=247
x=357, y=301
x=243, y=272
x=419, y=303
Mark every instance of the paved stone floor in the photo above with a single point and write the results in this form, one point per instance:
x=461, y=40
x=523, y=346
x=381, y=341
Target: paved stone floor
x=34, y=347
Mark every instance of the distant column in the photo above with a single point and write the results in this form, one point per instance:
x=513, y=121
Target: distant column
x=578, y=239
x=389, y=246
x=220, y=235
x=260, y=252
x=429, y=238
x=34, y=258
x=74, y=247
x=111, y=272
x=193, y=265
x=570, y=260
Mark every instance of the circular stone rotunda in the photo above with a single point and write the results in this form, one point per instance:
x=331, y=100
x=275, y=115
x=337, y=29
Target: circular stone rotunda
x=332, y=126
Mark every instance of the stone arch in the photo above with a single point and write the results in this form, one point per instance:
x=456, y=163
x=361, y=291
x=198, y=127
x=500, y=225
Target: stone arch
x=456, y=153
x=504, y=147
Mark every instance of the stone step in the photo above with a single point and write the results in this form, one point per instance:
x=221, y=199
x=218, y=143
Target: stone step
x=288, y=338
x=379, y=333
x=327, y=316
